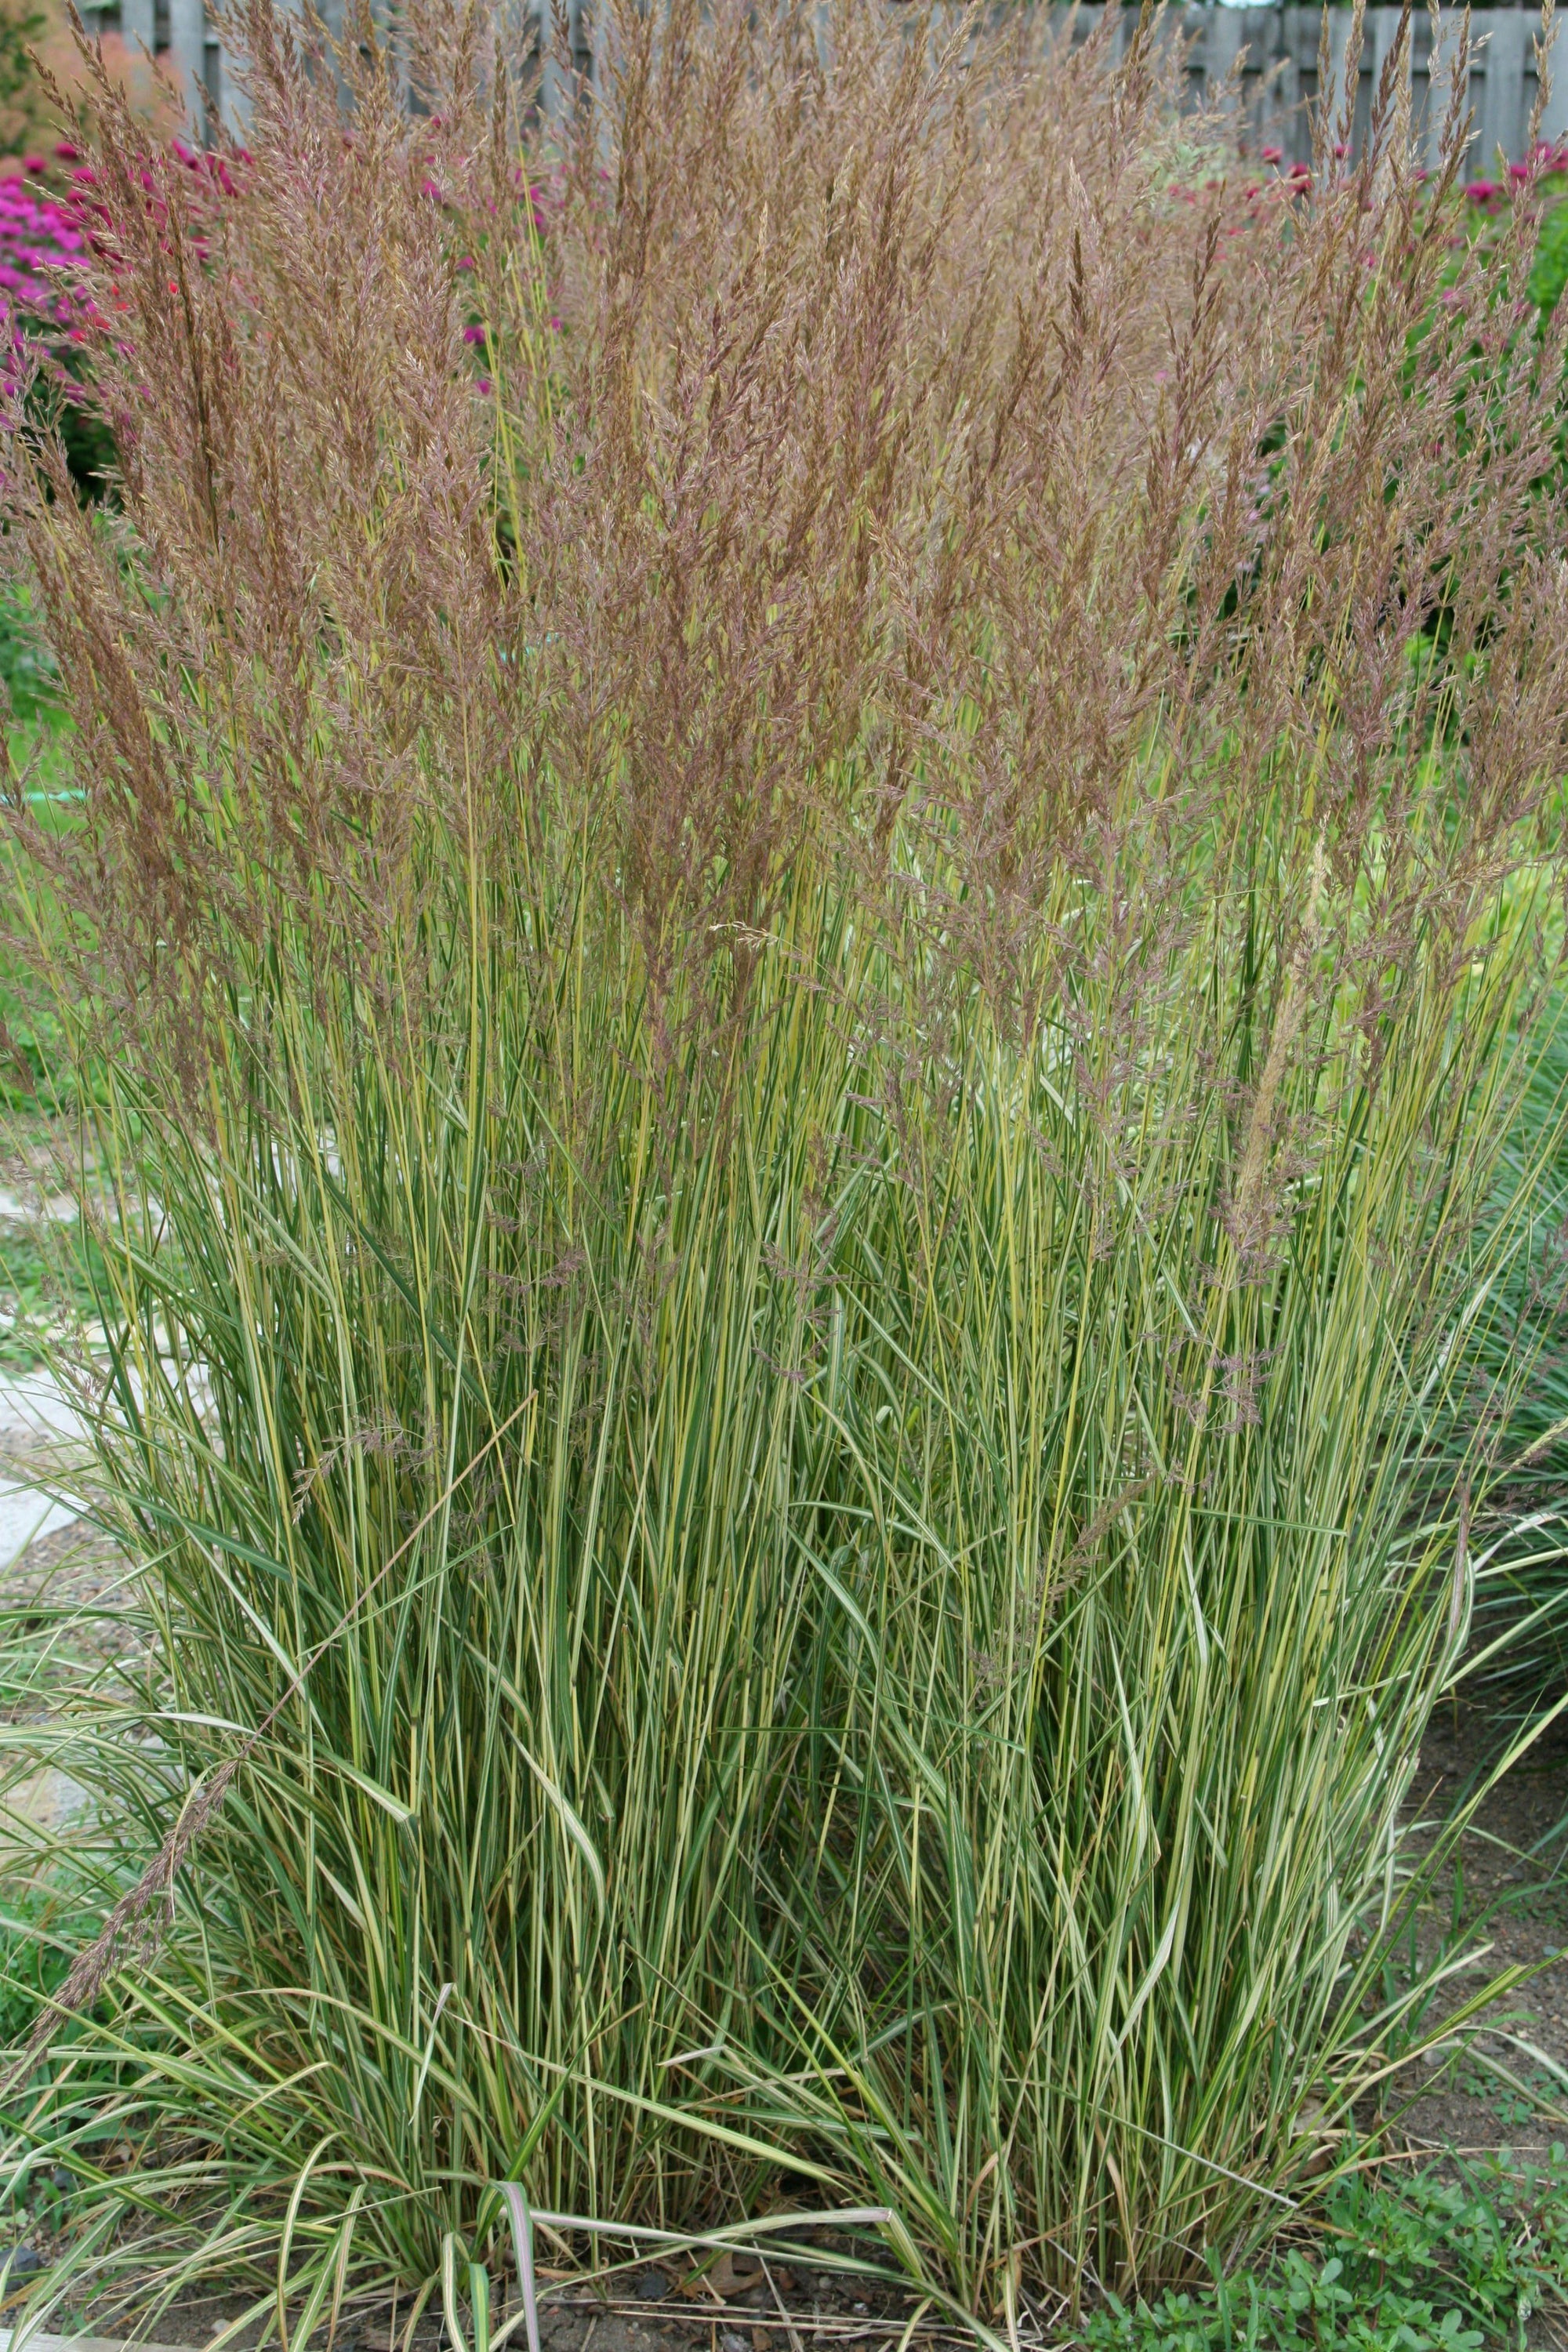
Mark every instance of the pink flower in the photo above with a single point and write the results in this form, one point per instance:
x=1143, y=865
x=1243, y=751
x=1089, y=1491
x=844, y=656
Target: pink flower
x=474, y=334
x=1272, y=154
x=39, y=238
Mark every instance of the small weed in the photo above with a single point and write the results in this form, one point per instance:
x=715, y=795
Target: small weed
x=1518, y=2105
x=1428, y=2264
x=39, y=1932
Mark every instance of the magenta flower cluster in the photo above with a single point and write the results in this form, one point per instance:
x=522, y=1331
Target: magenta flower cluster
x=40, y=237
x=1546, y=159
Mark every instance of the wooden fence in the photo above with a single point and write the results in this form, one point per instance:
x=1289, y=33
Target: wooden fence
x=1279, y=70
x=1277, y=47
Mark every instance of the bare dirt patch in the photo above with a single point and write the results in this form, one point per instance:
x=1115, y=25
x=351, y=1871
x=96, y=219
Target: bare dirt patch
x=1506, y=1894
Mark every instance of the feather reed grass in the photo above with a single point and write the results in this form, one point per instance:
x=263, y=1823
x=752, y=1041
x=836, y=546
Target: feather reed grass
x=818, y=853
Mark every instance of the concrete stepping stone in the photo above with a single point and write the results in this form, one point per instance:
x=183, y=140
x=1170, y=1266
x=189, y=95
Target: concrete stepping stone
x=24, y=1516
x=32, y=1405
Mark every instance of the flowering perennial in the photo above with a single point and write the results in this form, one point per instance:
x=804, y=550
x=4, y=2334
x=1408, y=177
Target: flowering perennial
x=41, y=236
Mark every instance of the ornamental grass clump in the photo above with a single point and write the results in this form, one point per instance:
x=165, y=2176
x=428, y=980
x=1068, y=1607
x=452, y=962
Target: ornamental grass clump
x=820, y=836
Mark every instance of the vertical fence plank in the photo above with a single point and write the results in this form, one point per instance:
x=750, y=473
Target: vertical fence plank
x=1554, y=117
x=1504, y=109
x=1427, y=98
x=187, y=61
x=136, y=23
